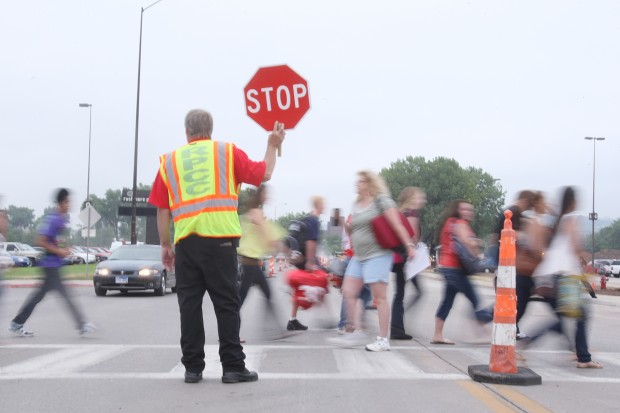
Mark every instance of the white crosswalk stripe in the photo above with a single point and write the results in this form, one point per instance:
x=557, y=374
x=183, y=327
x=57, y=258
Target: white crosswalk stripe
x=89, y=362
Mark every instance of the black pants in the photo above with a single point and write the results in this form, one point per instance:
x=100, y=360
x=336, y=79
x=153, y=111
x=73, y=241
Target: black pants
x=397, y=326
x=208, y=265
x=253, y=275
x=51, y=282
x=524, y=285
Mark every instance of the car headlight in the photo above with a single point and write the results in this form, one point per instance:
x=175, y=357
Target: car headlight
x=148, y=271
x=102, y=271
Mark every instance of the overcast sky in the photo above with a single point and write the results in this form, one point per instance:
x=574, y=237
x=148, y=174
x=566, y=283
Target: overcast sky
x=511, y=87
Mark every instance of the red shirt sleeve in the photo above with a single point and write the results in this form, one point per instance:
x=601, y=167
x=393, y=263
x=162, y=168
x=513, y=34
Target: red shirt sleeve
x=159, y=193
x=246, y=170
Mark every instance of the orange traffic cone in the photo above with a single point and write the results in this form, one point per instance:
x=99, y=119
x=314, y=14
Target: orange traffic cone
x=502, y=368
x=271, y=267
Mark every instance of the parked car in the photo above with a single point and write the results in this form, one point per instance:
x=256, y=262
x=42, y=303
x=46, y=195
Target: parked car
x=82, y=256
x=134, y=268
x=6, y=261
x=20, y=261
x=21, y=250
x=613, y=269
x=100, y=253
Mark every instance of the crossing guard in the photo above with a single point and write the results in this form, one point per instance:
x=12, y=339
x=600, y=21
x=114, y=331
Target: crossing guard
x=502, y=368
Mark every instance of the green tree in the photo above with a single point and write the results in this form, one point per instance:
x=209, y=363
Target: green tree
x=444, y=180
x=20, y=217
x=607, y=238
x=285, y=220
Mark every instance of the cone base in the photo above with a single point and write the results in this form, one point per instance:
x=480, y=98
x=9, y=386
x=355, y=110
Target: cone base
x=523, y=376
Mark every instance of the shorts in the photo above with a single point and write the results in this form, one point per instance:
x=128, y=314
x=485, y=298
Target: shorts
x=370, y=270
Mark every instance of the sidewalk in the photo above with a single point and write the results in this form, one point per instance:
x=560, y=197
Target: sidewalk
x=30, y=283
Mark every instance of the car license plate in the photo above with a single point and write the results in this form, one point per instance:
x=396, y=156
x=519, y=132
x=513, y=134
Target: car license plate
x=122, y=280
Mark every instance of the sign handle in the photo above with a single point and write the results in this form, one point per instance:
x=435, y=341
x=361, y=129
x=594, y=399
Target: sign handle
x=279, y=151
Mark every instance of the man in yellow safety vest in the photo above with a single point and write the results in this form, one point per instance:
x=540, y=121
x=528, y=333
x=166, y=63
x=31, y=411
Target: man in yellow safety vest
x=197, y=188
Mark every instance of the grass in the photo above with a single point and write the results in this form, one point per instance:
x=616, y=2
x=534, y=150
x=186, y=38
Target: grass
x=69, y=272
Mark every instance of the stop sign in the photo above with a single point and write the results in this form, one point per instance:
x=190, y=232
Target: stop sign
x=276, y=93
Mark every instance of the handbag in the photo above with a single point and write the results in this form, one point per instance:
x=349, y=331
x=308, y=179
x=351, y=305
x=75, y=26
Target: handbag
x=569, y=300
x=385, y=235
x=470, y=263
x=526, y=261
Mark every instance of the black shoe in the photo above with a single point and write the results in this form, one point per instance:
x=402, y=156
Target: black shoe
x=295, y=325
x=239, y=376
x=191, y=377
x=402, y=336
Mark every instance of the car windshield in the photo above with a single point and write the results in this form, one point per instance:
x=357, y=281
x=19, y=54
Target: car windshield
x=26, y=247
x=136, y=253
x=615, y=263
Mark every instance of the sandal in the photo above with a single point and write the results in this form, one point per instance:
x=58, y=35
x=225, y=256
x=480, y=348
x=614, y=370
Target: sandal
x=589, y=365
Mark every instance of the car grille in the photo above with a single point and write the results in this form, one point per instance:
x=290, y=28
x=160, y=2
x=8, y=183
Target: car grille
x=123, y=272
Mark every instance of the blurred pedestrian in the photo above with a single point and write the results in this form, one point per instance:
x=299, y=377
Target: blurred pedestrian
x=524, y=284
x=456, y=224
x=197, y=188
x=371, y=264
x=365, y=294
x=410, y=201
x=259, y=237
x=308, y=249
x=561, y=267
x=52, y=236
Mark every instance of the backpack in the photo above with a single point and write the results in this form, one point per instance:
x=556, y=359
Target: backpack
x=297, y=236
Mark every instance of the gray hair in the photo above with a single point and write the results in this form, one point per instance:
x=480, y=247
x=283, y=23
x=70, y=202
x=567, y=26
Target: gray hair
x=198, y=122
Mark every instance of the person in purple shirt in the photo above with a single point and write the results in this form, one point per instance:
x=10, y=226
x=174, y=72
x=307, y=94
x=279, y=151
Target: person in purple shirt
x=51, y=236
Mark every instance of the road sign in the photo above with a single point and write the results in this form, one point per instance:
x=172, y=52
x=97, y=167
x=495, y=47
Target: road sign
x=91, y=234
x=94, y=215
x=277, y=93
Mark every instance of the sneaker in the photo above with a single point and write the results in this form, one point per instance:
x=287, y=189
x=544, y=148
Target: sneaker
x=295, y=325
x=521, y=336
x=19, y=330
x=381, y=344
x=87, y=328
x=354, y=339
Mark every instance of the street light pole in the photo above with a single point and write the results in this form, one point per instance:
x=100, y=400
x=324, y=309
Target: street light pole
x=134, y=236
x=593, y=215
x=90, y=124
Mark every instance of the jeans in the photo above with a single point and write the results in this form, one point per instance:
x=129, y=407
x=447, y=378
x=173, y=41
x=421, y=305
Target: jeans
x=208, y=265
x=365, y=296
x=458, y=282
x=51, y=282
x=397, y=326
x=581, y=339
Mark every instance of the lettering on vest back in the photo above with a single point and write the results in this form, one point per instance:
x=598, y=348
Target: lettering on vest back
x=196, y=180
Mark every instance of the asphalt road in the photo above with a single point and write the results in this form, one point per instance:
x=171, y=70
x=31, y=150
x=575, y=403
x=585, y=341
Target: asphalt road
x=132, y=363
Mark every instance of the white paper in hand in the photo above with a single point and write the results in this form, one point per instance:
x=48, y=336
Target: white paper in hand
x=420, y=261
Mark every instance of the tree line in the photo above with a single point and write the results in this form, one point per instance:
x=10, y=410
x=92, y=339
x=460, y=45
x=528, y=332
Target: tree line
x=443, y=180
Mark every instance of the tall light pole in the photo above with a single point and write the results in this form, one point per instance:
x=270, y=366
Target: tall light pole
x=90, y=124
x=593, y=215
x=134, y=236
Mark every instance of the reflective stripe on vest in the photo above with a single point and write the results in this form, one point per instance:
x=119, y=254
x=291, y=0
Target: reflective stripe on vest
x=202, y=195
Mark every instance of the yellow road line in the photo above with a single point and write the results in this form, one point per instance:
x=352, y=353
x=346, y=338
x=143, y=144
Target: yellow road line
x=520, y=399
x=482, y=393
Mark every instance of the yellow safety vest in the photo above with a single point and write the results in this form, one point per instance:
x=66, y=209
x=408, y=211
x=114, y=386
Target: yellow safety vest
x=202, y=193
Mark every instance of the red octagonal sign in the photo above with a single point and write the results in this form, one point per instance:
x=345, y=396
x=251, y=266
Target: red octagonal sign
x=276, y=93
